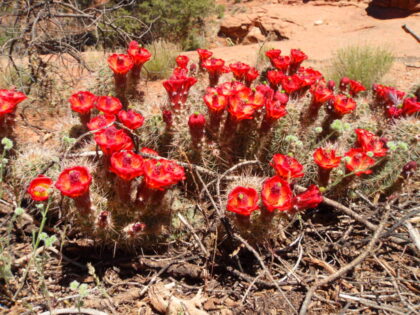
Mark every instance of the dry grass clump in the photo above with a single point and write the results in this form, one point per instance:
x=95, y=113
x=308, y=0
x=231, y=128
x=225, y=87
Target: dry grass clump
x=366, y=64
x=163, y=59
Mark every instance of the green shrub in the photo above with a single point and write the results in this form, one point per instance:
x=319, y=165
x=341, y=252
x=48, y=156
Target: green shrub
x=163, y=59
x=367, y=64
x=174, y=20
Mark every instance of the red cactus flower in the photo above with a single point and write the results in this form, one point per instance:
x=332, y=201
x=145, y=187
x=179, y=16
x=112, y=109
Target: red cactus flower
x=74, y=181
x=286, y=166
x=276, y=108
x=6, y=107
x=359, y=162
x=394, y=112
x=344, y=83
x=239, y=70
x=310, y=198
x=231, y=88
x=267, y=91
x=131, y=119
x=331, y=85
x=291, y=83
x=12, y=96
x=275, y=78
x=273, y=54
x=167, y=117
x=138, y=54
x=39, y=188
x=134, y=230
x=282, y=63
x=251, y=75
x=204, y=54
x=82, y=102
x=178, y=71
x=215, y=101
x=215, y=68
x=386, y=95
x=160, y=174
x=276, y=194
x=297, y=57
x=113, y=140
x=178, y=88
x=320, y=95
x=343, y=105
x=108, y=104
x=308, y=77
x=371, y=143
x=244, y=104
x=120, y=63
x=196, y=123
x=242, y=201
x=326, y=158
x=356, y=88
x=100, y=121
x=127, y=165
x=410, y=106
x=182, y=61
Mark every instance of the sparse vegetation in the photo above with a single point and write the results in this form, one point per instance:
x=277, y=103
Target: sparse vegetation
x=163, y=59
x=366, y=64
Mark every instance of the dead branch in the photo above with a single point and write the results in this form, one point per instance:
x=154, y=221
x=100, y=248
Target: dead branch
x=359, y=259
x=75, y=310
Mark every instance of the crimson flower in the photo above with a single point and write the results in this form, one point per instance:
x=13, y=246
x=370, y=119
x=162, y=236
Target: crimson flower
x=6, y=107
x=182, y=61
x=359, y=162
x=120, y=63
x=100, y=121
x=215, y=68
x=231, y=88
x=275, y=78
x=12, y=96
x=131, y=119
x=276, y=194
x=386, y=95
x=178, y=88
x=239, y=70
x=310, y=198
x=267, y=91
x=273, y=54
x=138, y=54
x=113, y=140
x=297, y=57
x=371, y=143
x=160, y=174
x=291, y=83
x=108, y=104
x=281, y=63
x=326, y=158
x=82, y=102
x=126, y=165
x=74, y=181
x=331, y=85
x=242, y=201
x=344, y=83
x=251, y=75
x=394, y=112
x=196, y=123
x=410, y=106
x=39, y=188
x=343, y=105
x=204, y=54
x=276, y=107
x=356, y=88
x=286, y=166
x=215, y=101
x=320, y=94
x=244, y=104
